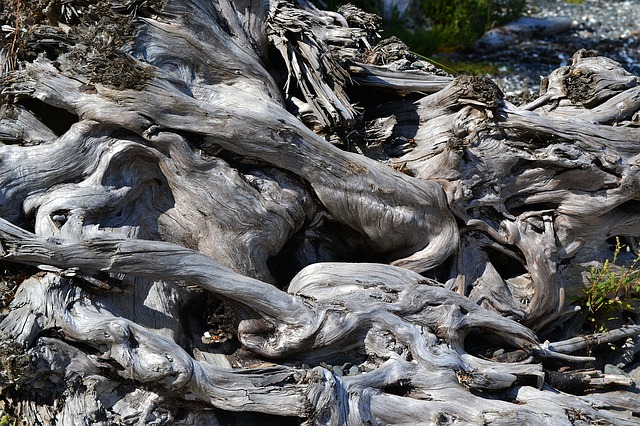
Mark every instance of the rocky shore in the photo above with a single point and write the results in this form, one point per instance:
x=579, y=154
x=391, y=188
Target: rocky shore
x=611, y=28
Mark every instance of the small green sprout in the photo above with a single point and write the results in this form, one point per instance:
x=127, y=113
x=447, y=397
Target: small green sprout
x=612, y=289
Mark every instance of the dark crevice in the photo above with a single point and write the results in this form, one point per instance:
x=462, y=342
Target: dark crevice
x=57, y=334
x=133, y=342
x=507, y=265
x=57, y=119
x=401, y=388
x=516, y=205
x=330, y=242
x=443, y=272
x=567, y=382
x=115, y=365
x=12, y=274
x=207, y=313
x=632, y=207
x=487, y=345
x=227, y=418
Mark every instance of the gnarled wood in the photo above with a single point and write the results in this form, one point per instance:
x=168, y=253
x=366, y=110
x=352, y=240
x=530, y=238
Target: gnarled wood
x=391, y=240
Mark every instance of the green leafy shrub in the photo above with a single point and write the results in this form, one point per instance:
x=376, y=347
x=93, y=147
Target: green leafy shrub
x=457, y=24
x=612, y=290
x=444, y=24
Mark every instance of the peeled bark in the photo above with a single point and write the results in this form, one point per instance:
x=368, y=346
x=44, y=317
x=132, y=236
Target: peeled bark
x=391, y=240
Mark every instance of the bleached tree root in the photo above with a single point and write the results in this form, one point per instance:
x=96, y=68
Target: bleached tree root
x=402, y=323
x=391, y=241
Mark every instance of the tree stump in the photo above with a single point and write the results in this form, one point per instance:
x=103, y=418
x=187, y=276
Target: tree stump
x=257, y=213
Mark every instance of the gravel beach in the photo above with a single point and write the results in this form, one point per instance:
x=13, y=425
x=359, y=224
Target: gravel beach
x=611, y=28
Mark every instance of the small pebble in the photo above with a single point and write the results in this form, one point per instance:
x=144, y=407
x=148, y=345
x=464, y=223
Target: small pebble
x=337, y=370
x=353, y=371
x=499, y=352
x=612, y=369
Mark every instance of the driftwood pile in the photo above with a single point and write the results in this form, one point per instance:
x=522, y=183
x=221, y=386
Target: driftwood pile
x=254, y=212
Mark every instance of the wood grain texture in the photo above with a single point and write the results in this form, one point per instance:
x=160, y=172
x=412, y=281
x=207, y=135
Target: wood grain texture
x=394, y=245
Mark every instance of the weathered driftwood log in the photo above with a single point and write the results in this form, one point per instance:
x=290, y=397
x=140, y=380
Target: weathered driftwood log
x=390, y=239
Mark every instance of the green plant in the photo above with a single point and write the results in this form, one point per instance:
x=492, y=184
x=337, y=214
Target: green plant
x=458, y=22
x=442, y=25
x=455, y=24
x=612, y=289
x=7, y=420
